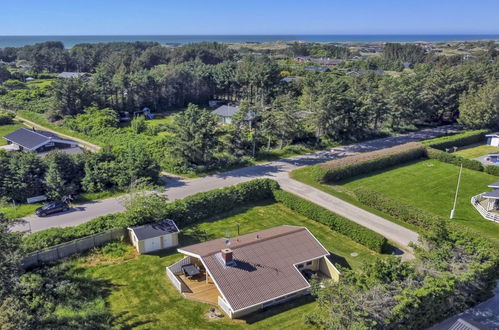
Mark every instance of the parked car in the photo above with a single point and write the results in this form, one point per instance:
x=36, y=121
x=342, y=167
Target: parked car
x=51, y=208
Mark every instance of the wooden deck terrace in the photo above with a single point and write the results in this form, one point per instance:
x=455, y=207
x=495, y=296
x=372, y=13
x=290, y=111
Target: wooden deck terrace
x=200, y=289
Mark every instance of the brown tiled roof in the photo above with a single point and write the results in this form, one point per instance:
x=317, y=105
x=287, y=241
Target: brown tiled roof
x=264, y=267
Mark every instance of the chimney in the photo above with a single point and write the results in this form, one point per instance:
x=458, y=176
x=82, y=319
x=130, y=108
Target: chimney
x=227, y=256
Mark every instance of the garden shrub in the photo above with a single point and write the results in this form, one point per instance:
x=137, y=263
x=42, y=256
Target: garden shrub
x=362, y=163
x=354, y=231
x=6, y=117
x=492, y=169
x=457, y=140
x=454, y=159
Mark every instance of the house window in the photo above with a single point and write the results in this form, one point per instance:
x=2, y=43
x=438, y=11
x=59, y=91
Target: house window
x=309, y=263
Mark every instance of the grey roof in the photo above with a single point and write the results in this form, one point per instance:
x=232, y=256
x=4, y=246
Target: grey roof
x=155, y=229
x=361, y=72
x=264, y=266
x=290, y=79
x=71, y=74
x=225, y=111
x=494, y=185
x=317, y=68
x=32, y=140
x=230, y=111
x=492, y=195
x=461, y=324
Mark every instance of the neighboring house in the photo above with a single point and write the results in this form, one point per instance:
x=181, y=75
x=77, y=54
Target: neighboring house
x=251, y=272
x=227, y=112
x=67, y=75
x=492, y=197
x=317, y=68
x=38, y=141
x=154, y=236
x=290, y=79
x=493, y=139
x=362, y=72
x=319, y=61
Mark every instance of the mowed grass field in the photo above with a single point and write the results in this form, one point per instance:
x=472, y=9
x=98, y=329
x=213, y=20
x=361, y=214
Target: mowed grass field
x=428, y=185
x=139, y=295
x=476, y=151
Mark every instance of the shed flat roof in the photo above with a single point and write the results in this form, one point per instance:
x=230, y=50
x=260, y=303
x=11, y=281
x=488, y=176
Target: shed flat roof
x=155, y=229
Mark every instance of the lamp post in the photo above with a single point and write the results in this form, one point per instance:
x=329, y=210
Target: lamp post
x=457, y=190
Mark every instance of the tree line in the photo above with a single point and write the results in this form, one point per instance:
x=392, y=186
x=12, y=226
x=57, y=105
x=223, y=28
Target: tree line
x=25, y=174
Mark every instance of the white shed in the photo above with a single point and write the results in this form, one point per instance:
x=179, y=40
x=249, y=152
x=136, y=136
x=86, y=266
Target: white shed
x=154, y=236
x=493, y=139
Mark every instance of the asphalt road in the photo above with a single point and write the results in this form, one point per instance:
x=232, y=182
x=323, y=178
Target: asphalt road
x=178, y=188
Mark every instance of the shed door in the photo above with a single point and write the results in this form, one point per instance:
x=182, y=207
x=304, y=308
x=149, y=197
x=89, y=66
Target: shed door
x=167, y=241
x=152, y=244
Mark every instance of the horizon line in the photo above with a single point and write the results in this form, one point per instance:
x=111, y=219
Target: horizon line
x=242, y=35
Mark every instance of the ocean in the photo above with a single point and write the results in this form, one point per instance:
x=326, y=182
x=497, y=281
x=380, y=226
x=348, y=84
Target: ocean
x=70, y=41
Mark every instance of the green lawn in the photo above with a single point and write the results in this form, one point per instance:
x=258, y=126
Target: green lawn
x=19, y=211
x=6, y=129
x=429, y=185
x=475, y=151
x=140, y=295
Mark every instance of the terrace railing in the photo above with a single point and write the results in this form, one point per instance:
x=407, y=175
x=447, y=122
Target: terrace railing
x=475, y=201
x=173, y=270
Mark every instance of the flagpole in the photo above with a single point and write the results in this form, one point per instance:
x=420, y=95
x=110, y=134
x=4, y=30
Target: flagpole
x=457, y=190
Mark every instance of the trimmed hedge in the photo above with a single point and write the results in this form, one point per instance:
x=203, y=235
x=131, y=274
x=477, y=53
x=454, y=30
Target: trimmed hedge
x=454, y=159
x=185, y=211
x=354, y=231
x=395, y=208
x=492, y=169
x=457, y=140
x=363, y=163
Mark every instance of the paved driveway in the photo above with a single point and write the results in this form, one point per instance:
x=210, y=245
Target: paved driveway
x=179, y=188
x=397, y=234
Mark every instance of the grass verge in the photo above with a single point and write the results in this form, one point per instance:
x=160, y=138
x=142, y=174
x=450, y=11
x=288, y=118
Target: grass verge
x=429, y=185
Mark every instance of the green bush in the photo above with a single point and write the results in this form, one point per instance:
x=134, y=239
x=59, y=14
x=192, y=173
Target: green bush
x=492, y=169
x=363, y=163
x=457, y=140
x=454, y=159
x=354, y=231
x=395, y=208
x=184, y=211
x=6, y=118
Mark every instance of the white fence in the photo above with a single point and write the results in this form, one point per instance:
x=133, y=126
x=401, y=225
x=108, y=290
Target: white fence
x=226, y=308
x=67, y=249
x=173, y=270
x=475, y=201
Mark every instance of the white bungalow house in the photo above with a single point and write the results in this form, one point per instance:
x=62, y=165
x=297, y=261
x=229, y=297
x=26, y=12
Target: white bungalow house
x=250, y=272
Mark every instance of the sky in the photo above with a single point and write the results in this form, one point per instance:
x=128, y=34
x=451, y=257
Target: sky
x=233, y=17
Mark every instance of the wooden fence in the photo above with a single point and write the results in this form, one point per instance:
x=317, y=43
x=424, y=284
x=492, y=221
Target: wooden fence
x=67, y=249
